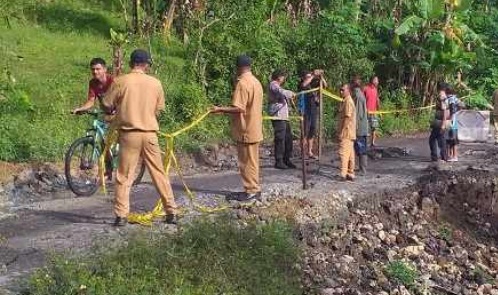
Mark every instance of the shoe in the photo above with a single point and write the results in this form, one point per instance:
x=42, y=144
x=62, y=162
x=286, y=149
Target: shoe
x=120, y=221
x=350, y=177
x=236, y=196
x=171, y=219
x=346, y=179
x=252, y=196
x=313, y=157
x=290, y=165
x=280, y=165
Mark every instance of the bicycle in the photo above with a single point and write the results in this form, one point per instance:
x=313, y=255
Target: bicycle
x=81, y=161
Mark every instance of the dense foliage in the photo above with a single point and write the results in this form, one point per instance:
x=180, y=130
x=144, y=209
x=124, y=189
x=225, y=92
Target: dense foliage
x=411, y=45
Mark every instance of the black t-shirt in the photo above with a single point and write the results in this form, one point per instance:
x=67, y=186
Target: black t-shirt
x=311, y=101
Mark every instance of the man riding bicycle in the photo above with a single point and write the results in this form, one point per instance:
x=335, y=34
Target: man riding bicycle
x=97, y=87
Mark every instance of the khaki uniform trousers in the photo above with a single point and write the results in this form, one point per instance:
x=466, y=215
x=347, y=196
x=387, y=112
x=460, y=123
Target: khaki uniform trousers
x=132, y=146
x=248, y=154
x=346, y=154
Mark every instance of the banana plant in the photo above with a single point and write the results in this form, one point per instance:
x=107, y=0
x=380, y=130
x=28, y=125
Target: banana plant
x=437, y=42
x=118, y=40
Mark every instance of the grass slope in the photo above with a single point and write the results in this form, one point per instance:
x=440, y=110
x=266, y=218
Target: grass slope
x=47, y=46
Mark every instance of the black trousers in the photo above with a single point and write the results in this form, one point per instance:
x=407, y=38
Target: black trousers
x=282, y=140
x=437, y=139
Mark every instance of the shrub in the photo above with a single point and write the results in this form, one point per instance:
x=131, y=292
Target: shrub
x=402, y=273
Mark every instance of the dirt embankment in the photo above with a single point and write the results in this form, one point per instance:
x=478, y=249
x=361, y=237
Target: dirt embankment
x=438, y=236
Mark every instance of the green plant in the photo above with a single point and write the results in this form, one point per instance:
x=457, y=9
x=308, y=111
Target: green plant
x=409, y=121
x=402, y=273
x=411, y=45
x=434, y=36
x=206, y=257
x=12, y=98
x=481, y=275
x=445, y=233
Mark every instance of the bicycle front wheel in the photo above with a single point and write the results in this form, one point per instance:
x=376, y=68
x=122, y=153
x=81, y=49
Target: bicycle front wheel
x=81, y=167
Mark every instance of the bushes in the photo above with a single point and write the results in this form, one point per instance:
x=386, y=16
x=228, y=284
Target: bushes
x=48, y=45
x=204, y=258
x=402, y=122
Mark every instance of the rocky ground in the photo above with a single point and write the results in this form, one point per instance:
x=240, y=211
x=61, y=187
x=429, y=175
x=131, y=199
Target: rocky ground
x=408, y=227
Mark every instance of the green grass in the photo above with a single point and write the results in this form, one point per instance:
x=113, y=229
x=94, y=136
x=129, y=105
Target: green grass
x=445, y=233
x=205, y=258
x=48, y=46
x=402, y=273
x=45, y=74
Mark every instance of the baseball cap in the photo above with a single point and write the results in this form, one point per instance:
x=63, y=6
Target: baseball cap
x=244, y=61
x=140, y=56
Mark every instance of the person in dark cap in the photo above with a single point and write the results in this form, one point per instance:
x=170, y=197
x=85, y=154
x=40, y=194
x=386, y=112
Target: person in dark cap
x=138, y=99
x=247, y=126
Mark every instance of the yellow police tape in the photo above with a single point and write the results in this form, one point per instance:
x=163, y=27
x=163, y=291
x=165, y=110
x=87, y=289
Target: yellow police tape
x=337, y=98
x=170, y=160
x=277, y=118
x=110, y=140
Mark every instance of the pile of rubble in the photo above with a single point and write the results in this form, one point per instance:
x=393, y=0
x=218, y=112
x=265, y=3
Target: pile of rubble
x=409, y=242
x=34, y=184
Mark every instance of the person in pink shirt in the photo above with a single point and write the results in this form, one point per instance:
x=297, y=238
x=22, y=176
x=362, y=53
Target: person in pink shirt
x=373, y=104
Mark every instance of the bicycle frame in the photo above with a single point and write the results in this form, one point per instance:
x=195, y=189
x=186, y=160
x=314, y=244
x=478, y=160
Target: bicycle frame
x=97, y=133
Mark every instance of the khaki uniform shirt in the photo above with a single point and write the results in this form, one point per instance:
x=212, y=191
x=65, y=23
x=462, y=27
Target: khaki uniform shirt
x=495, y=101
x=247, y=127
x=138, y=99
x=347, y=119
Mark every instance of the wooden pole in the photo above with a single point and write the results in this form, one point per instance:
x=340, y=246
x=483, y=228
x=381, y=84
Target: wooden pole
x=303, y=160
x=320, y=123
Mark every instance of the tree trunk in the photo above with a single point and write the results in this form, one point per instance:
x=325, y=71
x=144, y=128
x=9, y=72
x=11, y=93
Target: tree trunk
x=136, y=16
x=168, y=19
x=426, y=96
x=358, y=9
x=117, y=60
x=411, y=79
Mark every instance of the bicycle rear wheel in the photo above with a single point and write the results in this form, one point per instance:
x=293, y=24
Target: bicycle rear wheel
x=139, y=170
x=81, y=167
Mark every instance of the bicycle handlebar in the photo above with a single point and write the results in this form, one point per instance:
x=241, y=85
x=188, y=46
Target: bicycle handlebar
x=94, y=113
x=91, y=113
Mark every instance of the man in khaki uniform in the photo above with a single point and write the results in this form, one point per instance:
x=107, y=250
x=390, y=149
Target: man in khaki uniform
x=347, y=133
x=247, y=125
x=138, y=98
x=495, y=114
